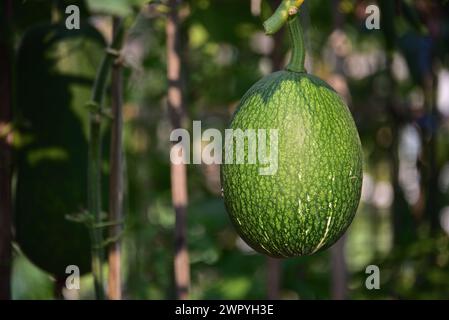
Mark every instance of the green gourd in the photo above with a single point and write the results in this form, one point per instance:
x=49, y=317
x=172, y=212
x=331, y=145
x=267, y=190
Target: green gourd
x=312, y=198
x=55, y=72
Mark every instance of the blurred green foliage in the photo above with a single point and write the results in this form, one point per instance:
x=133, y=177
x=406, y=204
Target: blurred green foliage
x=381, y=73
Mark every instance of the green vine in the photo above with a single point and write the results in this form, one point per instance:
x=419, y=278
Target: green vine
x=286, y=9
x=97, y=114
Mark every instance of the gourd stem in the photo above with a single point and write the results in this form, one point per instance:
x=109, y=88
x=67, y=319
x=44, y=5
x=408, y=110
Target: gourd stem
x=281, y=15
x=297, y=59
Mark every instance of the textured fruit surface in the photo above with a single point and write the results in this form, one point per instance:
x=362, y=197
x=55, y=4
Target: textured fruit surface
x=56, y=68
x=311, y=200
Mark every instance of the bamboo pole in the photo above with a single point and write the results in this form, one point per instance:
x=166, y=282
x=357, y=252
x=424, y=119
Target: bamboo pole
x=178, y=171
x=339, y=272
x=116, y=179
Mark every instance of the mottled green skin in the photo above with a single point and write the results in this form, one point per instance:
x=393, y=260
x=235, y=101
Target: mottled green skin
x=55, y=72
x=309, y=203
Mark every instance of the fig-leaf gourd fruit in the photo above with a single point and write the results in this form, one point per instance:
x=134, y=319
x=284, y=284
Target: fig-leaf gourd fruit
x=309, y=202
x=55, y=72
